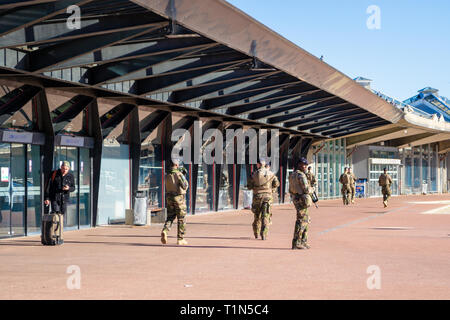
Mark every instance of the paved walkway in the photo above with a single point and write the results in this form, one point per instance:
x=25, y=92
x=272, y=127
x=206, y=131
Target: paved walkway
x=410, y=249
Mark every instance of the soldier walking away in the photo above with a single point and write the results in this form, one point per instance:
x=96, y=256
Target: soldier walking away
x=176, y=187
x=262, y=182
x=353, y=180
x=345, y=180
x=300, y=191
x=385, y=182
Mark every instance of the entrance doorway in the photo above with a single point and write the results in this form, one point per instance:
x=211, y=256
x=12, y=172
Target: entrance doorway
x=20, y=189
x=79, y=207
x=375, y=171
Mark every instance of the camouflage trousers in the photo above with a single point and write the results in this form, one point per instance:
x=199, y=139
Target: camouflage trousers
x=301, y=224
x=176, y=208
x=386, y=191
x=352, y=193
x=346, y=193
x=261, y=209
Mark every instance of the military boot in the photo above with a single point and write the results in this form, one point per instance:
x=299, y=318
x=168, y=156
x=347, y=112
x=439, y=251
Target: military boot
x=182, y=242
x=296, y=246
x=164, y=236
x=306, y=246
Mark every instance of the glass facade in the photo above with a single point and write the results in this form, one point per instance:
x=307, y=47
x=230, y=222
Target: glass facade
x=20, y=189
x=375, y=171
x=79, y=206
x=421, y=167
x=328, y=164
x=151, y=176
x=114, y=190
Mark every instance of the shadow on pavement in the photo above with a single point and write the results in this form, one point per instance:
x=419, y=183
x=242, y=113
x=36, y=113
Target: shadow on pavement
x=173, y=246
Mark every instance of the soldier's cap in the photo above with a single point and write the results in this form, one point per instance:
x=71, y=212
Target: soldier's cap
x=66, y=164
x=176, y=161
x=303, y=161
x=262, y=161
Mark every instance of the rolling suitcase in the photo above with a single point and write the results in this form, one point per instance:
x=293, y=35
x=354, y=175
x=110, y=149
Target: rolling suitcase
x=52, y=229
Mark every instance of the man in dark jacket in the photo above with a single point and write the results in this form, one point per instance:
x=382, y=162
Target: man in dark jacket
x=59, y=187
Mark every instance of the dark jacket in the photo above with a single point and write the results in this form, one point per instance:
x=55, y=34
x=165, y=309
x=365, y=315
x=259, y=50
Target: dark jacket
x=54, y=187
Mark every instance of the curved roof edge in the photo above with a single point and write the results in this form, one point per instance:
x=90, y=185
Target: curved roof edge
x=224, y=23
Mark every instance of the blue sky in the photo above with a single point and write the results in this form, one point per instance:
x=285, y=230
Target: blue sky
x=410, y=51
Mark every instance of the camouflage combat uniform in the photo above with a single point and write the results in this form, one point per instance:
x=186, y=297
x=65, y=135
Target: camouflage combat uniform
x=300, y=191
x=262, y=182
x=346, y=190
x=353, y=179
x=311, y=179
x=385, y=182
x=176, y=187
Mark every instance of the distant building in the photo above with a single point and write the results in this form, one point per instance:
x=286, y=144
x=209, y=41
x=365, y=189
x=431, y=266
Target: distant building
x=364, y=82
x=429, y=101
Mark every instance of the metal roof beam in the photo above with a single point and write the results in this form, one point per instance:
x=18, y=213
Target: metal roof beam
x=274, y=101
x=242, y=98
x=308, y=111
x=22, y=17
x=220, y=86
x=110, y=71
x=323, y=116
x=303, y=103
x=339, y=122
x=188, y=72
x=15, y=100
x=66, y=112
x=45, y=58
x=91, y=26
x=328, y=121
x=114, y=117
x=349, y=128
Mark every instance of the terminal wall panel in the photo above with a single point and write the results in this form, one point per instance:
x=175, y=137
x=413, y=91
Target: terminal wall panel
x=360, y=160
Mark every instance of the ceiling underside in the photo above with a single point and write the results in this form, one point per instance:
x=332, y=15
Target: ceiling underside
x=129, y=53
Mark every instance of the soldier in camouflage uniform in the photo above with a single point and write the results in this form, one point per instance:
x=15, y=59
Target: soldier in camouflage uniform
x=311, y=178
x=274, y=190
x=385, y=182
x=300, y=191
x=345, y=180
x=353, y=179
x=176, y=187
x=262, y=182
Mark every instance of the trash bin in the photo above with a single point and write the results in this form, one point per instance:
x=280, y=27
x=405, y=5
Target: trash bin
x=140, y=209
x=248, y=198
x=424, y=187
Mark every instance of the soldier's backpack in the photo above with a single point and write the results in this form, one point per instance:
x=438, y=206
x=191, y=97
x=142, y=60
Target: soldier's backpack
x=52, y=229
x=294, y=184
x=345, y=179
x=173, y=185
x=262, y=180
x=382, y=181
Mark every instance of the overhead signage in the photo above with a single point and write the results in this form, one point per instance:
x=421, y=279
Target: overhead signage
x=20, y=137
x=386, y=161
x=72, y=141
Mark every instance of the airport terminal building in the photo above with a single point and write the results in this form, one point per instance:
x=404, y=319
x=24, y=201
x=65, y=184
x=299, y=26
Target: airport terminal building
x=107, y=96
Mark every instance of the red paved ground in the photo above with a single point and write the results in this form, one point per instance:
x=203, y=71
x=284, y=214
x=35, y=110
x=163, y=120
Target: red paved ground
x=222, y=260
